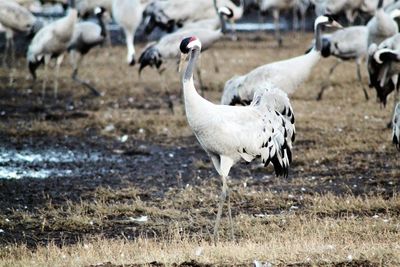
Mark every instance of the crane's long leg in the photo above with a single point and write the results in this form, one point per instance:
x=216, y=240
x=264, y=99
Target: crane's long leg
x=222, y=198
x=358, y=63
x=278, y=36
x=6, y=51
x=60, y=59
x=92, y=89
x=230, y=214
x=327, y=83
x=12, y=46
x=224, y=167
x=76, y=59
x=303, y=21
x=215, y=57
x=396, y=99
x=47, y=59
x=295, y=25
x=164, y=86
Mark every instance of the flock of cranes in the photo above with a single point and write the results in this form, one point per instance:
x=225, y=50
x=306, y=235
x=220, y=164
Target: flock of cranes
x=255, y=118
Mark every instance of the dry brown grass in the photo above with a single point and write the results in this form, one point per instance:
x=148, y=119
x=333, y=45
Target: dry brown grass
x=280, y=241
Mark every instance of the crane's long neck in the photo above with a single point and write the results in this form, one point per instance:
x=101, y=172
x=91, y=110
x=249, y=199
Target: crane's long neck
x=71, y=4
x=380, y=4
x=102, y=25
x=318, y=37
x=222, y=22
x=188, y=75
x=221, y=17
x=189, y=90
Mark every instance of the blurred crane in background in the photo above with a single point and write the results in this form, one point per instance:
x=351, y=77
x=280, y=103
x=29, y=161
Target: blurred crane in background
x=16, y=18
x=51, y=42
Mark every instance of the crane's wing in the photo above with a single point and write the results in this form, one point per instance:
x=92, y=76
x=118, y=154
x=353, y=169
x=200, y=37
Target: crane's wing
x=382, y=73
x=350, y=42
x=396, y=127
x=270, y=136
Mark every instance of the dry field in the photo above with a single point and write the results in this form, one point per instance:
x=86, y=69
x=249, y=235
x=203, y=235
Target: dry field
x=340, y=205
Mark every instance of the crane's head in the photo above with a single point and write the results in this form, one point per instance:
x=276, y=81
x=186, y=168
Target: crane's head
x=385, y=54
x=326, y=20
x=226, y=11
x=150, y=57
x=99, y=11
x=187, y=45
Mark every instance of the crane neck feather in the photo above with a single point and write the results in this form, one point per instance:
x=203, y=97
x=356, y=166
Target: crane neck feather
x=318, y=37
x=102, y=25
x=194, y=55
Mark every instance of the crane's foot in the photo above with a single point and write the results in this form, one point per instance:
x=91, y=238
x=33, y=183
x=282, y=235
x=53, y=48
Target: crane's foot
x=92, y=89
x=366, y=94
x=280, y=42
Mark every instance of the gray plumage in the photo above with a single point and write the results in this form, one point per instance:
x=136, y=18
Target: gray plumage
x=85, y=7
x=352, y=42
x=383, y=66
x=240, y=89
x=86, y=35
x=16, y=18
x=351, y=8
x=167, y=48
x=128, y=14
x=384, y=69
x=173, y=14
x=264, y=129
x=51, y=42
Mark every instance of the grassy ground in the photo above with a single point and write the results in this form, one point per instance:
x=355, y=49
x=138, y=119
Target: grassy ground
x=339, y=207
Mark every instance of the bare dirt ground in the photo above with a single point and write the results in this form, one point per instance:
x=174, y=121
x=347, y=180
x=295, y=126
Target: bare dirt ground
x=339, y=206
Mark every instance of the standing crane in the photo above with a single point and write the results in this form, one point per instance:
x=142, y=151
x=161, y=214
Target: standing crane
x=240, y=89
x=16, y=18
x=384, y=69
x=264, y=129
x=173, y=14
x=51, y=42
x=86, y=36
x=128, y=14
x=352, y=42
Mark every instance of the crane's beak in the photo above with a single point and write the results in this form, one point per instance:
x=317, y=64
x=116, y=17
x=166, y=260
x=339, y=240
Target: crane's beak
x=182, y=61
x=336, y=25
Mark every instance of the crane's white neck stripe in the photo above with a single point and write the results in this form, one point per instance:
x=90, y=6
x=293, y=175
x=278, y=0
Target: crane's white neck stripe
x=194, y=43
x=320, y=20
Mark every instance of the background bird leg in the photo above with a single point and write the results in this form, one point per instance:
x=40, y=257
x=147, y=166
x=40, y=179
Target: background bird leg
x=12, y=48
x=275, y=14
x=295, y=22
x=358, y=63
x=6, y=52
x=47, y=59
x=164, y=86
x=396, y=98
x=223, y=167
x=327, y=83
x=76, y=59
x=215, y=56
x=222, y=198
x=59, y=60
